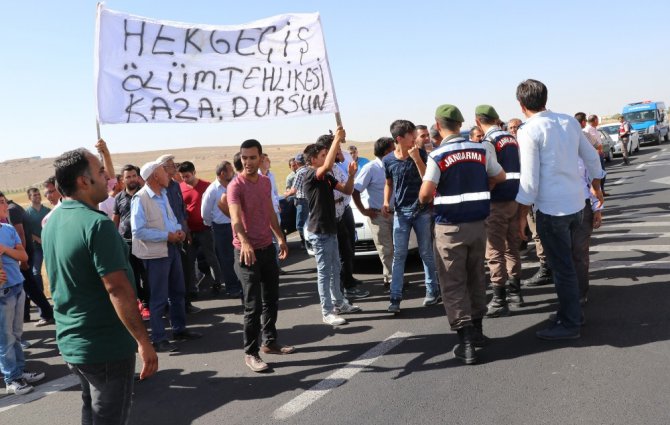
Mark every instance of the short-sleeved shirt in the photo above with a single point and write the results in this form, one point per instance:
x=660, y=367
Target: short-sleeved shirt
x=122, y=209
x=372, y=178
x=193, y=201
x=81, y=245
x=17, y=215
x=10, y=238
x=406, y=179
x=319, y=192
x=35, y=218
x=252, y=197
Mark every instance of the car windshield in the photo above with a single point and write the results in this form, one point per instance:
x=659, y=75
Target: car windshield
x=640, y=116
x=610, y=129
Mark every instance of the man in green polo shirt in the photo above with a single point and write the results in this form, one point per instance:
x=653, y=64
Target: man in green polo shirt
x=98, y=326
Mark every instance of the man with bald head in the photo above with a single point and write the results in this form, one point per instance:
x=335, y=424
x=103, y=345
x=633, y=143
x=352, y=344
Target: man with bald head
x=156, y=238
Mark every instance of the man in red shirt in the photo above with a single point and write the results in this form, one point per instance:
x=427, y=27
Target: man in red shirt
x=254, y=221
x=202, y=241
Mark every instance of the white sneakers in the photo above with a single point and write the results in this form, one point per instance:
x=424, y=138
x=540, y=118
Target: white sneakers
x=22, y=385
x=333, y=319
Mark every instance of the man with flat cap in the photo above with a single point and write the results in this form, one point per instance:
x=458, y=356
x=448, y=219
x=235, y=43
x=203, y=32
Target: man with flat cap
x=156, y=237
x=459, y=175
x=502, y=226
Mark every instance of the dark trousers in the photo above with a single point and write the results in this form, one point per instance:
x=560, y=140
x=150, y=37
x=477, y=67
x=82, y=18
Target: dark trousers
x=346, y=227
x=602, y=181
x=140, y=274
x=106, y=391
x=581, y=236
x=166, y=280
x=36, y=295
x=223, y=242
x=260, y=284
x=556, y=235
x=202, y=247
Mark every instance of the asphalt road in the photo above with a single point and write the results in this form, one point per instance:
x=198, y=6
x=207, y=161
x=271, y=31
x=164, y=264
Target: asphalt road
x=384, y=369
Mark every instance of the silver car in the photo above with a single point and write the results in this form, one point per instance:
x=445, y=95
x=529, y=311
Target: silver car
x=613, y=131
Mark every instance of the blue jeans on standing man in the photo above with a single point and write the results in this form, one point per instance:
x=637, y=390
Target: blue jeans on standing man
x=327, y=269
x=301, y=215
x=556, y=236
x=403, y=223
x=166, y=280
x=12, y=360
x=106, y=391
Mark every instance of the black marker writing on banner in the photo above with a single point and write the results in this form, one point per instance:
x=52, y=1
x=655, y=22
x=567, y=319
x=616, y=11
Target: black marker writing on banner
x=161, y=38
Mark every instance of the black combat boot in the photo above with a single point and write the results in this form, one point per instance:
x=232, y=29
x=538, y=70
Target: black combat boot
x=514, y=292
x=479, y=339
x=465, y=350
x=542, y=277
x=498, y=305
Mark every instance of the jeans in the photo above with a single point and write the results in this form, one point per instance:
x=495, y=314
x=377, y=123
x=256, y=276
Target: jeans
x=581, y=237
x=556, y=235
x=327, y=270
x=403, y=223
x=106, y=391
x=166, y=280
x=223, y=242
x=36, y=295
x=38, y=259
x=260, y=283
x=12, y=360
x=301, y=215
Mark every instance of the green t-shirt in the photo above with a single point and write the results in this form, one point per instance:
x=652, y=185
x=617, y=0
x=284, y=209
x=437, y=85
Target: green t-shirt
x=80, y=245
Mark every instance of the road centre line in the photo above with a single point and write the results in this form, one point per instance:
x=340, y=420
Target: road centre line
x=655, y=156
x=627, y=248
x=41, y=390
x=642, y=224
x=641, y=165
x=630, y=235
x=339, y=377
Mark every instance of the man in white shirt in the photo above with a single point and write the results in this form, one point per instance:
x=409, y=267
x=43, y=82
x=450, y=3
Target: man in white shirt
x=221, y=228
x=372, y=178
x=550, y=147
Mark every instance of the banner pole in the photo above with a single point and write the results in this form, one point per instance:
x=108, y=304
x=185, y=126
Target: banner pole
x=338, y=119
x=97, y=128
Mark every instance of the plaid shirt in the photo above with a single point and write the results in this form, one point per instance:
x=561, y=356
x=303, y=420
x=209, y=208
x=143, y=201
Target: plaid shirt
x=298, y=182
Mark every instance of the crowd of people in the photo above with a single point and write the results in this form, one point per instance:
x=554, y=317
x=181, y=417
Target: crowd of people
x=139, y=246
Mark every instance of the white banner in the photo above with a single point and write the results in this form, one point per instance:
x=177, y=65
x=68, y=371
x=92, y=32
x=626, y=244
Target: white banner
x=150, y=71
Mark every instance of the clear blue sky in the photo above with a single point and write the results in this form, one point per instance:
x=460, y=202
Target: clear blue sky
x=389, y=60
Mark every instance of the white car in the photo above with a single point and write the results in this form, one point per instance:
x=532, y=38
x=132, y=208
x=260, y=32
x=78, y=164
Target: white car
x=613, y=131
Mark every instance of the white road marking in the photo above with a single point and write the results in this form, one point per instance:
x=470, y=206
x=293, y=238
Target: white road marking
x=339, y=377
x=620, y=181
x=662, y=180
x=637, y=215
x=41, y=390
x=642, y=224
x=655, y=156
x=640, y=166
x=628, y=248
x=616, y=264
x=630, y=235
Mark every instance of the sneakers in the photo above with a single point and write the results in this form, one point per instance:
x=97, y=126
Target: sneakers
x=186, y=335
x=165, y=346
x=557, y=332
x=346, y=308
x=432, y=299
x=553, y=317
x=145, y=313
x=18, y=387
x=394, y=306
x=355, y=293
x=333, y=319
x=274, y=348
x=44, y=322
x=255, y=363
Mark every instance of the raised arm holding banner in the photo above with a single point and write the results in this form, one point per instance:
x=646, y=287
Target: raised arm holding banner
x=150, y=71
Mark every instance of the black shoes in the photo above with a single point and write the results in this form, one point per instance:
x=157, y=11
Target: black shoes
x=514, y=292
x=498, y=305
x=186, y=335
x=465, y=350
x=165, y=346
x=542, y=277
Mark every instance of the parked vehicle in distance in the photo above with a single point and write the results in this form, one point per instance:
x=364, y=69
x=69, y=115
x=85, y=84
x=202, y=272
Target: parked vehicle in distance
x=608, y=145
x=612, y=131
x=649, y=119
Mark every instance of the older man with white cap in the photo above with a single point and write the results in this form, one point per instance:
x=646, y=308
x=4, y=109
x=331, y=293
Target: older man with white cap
x=156, y=236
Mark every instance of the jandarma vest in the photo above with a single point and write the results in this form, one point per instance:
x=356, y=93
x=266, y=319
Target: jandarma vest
x=147, y=250
x=462, y=193
x=507, y=153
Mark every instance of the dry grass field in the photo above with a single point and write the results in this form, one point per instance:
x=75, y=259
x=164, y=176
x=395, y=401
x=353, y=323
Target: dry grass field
x=17, y=175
